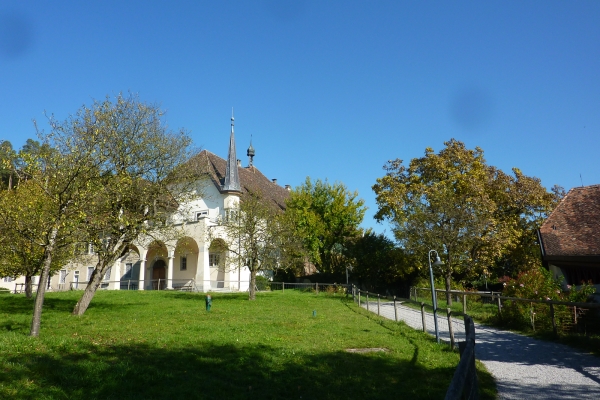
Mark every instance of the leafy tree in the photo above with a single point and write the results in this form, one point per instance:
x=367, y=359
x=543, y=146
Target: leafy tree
x=377, y=261
x=106, y=175
x=472, y=213
x=142, y=178
x=7, y=165
x=325, y=216
x=256, y=236
x=59, y=184
x=21, y=250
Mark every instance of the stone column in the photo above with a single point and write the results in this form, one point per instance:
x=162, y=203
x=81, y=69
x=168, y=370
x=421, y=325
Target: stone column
x=170, y=272
x=116, y=285
x=142, y=273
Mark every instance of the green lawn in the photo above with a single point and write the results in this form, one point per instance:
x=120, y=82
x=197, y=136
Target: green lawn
x=155, y=345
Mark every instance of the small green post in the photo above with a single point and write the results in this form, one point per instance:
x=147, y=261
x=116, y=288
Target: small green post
x=208, y=302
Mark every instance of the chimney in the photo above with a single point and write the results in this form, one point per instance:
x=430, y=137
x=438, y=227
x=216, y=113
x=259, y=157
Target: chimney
x=274, y=180
x=288, y=187
x=239, y=162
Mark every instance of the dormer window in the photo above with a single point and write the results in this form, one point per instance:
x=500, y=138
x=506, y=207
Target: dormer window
x=201, y=215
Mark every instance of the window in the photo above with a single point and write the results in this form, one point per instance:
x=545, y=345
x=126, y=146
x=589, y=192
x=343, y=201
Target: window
x=183, y=263
x=213, y=260
x=75, y=280
x=107, y=274
x=201, y=215
x=231, y=214
x=90, y=271
x=63, y=276
x=8, y=279
x=128, y=267
x=90, y=248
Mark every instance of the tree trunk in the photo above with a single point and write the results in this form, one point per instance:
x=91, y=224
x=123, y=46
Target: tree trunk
x=448, y=295
x=28, y=286
x=41, y=292
x=252, y=291
x=90, y=290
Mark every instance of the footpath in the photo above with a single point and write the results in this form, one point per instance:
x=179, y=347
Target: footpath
x=523, y=367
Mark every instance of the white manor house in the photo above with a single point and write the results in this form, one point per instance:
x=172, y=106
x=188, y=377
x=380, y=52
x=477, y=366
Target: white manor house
x=193, y=261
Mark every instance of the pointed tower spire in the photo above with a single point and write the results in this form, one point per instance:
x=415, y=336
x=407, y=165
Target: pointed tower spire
x=232, y=181
x=250, y=154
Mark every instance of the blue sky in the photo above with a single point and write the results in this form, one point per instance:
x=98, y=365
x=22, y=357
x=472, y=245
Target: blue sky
x=327, y=89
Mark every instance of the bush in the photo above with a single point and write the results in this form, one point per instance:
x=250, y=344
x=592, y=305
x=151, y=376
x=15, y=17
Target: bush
x=539, y=284
x=262, y=283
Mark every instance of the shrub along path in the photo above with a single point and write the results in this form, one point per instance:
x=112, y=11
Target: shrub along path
x=524, y=367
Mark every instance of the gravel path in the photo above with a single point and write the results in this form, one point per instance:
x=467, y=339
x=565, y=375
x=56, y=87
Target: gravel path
x=524, y=368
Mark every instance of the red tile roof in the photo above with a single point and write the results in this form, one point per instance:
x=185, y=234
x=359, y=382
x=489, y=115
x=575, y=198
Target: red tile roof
x=251, y=179
x=573, y=228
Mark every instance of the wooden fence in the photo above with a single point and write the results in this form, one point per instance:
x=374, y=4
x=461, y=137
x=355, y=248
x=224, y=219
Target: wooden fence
x=562, y=316
x=464, y=383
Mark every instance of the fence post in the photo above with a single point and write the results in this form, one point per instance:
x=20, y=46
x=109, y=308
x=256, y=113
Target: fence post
x=378, y=304
x=359, y=297
x=464, y=303
x=395, y=310
x=158, y=287
x=367, y=301
x=423, y=316
x=282, y=287
x=317, y=287
x=575, y=315
x=553, y=319
x=532, y=316
x=450, y=330
x=499, y=306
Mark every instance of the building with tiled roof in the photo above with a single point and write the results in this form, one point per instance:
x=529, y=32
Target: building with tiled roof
x=570, y=237
x=195, y=260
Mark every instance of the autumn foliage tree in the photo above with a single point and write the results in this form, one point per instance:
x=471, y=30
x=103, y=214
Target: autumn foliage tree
x=473, y=214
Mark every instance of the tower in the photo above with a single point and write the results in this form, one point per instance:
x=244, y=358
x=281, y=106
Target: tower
x=232, y=180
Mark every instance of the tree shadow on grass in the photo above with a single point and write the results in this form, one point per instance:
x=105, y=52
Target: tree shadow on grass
x=140, y=371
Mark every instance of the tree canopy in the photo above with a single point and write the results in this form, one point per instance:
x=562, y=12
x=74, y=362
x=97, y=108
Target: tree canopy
x=473, y=214
x=325, y=216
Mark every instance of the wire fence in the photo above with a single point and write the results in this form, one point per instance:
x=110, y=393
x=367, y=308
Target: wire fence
x=186, y=285
x=418, y=315
x=441, y=323
x=551, y=316
x=331, y=288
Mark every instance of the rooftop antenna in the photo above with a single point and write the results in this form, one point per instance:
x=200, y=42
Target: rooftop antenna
x=581, y=179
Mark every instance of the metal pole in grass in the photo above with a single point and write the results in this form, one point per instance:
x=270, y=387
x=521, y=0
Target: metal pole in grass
x=450, y=330
x=359, y=297
x=423, y=316
x=378, y=304
x=433, y=296
x=395, y=310
x=367, y=301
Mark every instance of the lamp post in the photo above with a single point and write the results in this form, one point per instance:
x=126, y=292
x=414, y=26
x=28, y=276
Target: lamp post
x=433, y=296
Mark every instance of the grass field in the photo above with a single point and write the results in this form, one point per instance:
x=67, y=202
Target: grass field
x=164, y=345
